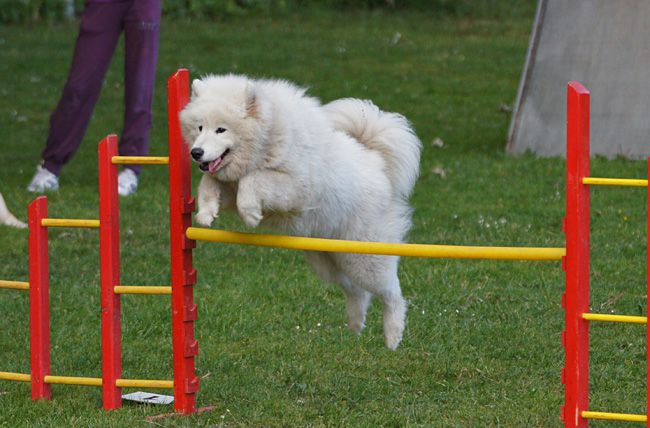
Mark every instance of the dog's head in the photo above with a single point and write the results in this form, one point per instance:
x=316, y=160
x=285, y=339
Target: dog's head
x=222, y=126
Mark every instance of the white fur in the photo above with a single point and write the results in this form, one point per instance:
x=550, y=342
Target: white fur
x=343, y=171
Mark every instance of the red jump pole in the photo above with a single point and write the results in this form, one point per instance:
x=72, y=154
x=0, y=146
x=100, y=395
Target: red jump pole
x=109, y=247
x=183, y=275
x=39, y=299
x=575, y=338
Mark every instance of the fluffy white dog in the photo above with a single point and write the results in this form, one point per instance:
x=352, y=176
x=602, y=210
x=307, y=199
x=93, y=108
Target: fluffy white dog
x=344, y=170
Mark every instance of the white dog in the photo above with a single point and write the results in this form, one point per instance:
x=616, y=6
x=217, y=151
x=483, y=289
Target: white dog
x=344, y=170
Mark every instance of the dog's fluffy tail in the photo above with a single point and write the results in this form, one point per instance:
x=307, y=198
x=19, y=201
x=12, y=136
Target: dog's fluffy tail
x=388, y=133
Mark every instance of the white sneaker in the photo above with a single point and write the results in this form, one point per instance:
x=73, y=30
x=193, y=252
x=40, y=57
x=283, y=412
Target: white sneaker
x=127, y=182
x=8, y=218
x=43, y=181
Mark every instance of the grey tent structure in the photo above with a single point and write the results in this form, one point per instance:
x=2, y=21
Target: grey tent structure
x=604, y=44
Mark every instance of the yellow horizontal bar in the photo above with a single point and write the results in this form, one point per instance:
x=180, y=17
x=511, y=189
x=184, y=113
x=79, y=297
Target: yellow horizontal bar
x=142, y=289
x=120, y=383
x=20, y=377
x=616, y=318
x=65, y=222
x=139, y=383
x=614, y=416
x=615, y=182
x=71, y=380
x=14, y=285
x=140, y=160
x=395, y=249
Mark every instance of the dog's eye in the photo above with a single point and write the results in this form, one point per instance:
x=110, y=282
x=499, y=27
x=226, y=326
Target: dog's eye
x=220, y=130
x=200, y=128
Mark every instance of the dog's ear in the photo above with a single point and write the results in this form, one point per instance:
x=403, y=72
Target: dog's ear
x=197, y=87
x=251, y=102
x=189, y=124
x=185, y=119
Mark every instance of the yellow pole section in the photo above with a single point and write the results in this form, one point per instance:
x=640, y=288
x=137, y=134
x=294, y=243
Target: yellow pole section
x=614, y=416
x=139, y=383
x=71, y=380
x=140, y=160
x=615, y=182
x=14, y=285
x=141, y=289
x=121, y=383
x=20, y=377
x=66, y=222
x=615, y=318
x=382, y=248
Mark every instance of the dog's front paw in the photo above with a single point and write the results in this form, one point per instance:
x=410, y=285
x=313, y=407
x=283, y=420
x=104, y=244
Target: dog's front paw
x=205, y=218
x=250, y=211
x=251, y=214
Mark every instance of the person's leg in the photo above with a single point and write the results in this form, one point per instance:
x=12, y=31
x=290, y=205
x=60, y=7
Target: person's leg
x=99, y=32
x=141, y=40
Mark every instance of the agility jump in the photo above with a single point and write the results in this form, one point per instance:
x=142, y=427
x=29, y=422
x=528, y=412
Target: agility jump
x=575, y=376
x=575, y=262
x=183, y=276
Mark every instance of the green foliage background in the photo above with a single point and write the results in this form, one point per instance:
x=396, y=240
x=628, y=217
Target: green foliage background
x=21, y=11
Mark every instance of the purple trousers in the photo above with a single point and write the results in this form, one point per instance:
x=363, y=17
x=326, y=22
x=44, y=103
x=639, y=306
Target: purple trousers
x=101, y=25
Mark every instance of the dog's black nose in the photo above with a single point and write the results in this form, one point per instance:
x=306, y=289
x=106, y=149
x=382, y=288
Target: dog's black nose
x=197, y=153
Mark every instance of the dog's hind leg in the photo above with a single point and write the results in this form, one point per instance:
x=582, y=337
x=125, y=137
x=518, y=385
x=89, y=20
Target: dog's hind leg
x=394, y=313
x=378, y=275
x=357, y=298
x=358, y=301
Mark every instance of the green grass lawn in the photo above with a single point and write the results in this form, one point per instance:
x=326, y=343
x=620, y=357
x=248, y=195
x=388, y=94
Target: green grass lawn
x=482, y=345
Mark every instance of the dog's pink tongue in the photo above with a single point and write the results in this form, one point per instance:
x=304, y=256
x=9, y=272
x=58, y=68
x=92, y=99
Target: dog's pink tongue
x=212, y=166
